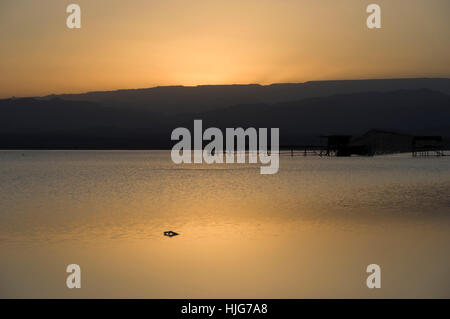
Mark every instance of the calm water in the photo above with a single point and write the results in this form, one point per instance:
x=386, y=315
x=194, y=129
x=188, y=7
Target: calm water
x=308, y=231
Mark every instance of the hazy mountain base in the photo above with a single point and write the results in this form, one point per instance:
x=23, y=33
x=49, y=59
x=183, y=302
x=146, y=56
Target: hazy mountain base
x=57, y=123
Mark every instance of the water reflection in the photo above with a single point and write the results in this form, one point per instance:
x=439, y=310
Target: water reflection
x=308, y=231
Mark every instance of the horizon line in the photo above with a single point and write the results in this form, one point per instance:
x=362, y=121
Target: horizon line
x=231, y=84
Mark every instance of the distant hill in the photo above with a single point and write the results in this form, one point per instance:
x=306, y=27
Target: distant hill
x=60, y=123
x=410, y=111
x=36, y=115
x=171, y=100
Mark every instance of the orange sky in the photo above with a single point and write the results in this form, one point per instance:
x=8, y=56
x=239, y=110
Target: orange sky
x=137, y=43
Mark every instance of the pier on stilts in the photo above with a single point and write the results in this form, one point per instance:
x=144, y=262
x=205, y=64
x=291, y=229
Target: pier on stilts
x=427, y=146
x=330, y=145
x=374, y=142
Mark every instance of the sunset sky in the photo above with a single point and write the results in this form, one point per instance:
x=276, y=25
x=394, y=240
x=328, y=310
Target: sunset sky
x=145, y=43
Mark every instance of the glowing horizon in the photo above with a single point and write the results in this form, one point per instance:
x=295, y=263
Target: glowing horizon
x=143, y=44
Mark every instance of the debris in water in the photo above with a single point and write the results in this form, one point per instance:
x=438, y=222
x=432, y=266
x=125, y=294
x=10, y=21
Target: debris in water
x=170, y=233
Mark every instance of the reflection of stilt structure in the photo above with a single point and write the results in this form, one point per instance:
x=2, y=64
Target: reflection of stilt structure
x=337, y=145
x=427, y=145
x=330, y=145
x=374, y=142
x=301, y=150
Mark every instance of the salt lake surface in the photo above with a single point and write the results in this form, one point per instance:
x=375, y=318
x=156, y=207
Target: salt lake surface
x=307, y=232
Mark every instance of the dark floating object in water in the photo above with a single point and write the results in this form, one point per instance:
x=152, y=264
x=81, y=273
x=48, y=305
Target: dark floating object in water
x=170, y=233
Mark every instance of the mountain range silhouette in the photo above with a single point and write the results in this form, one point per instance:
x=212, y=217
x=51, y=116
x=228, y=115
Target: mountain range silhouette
x=145, y=118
